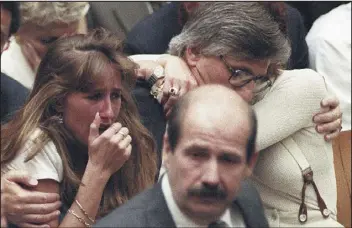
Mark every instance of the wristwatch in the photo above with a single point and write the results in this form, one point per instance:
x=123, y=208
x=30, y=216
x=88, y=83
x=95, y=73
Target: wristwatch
x=157, y=90
x=157, y=73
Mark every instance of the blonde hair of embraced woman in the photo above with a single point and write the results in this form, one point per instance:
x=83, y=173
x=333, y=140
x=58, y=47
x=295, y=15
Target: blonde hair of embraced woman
x=74, y=64
x=45, y=13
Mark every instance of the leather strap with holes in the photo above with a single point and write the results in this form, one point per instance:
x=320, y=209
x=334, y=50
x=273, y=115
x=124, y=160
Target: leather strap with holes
x=307, y=174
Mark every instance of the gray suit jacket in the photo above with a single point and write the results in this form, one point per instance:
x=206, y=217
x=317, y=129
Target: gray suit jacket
x=149, y=209
x=118, y=17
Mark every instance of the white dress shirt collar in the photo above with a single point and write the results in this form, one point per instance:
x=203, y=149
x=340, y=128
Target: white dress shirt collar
x=180, y=219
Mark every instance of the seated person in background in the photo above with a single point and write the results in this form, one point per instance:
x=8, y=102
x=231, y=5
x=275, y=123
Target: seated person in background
x=209, y=152
x=329, y=42
x=13, y=94
x=41, y=23
x=9, y=22
x=153, y=34
x=311, y=10
x=79, y=133
x=208, y=68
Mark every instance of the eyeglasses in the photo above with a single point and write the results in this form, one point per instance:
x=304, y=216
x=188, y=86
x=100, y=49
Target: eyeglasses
x=239, y=78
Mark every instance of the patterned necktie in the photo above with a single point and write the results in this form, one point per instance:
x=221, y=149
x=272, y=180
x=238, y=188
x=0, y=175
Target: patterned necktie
x=218, y=224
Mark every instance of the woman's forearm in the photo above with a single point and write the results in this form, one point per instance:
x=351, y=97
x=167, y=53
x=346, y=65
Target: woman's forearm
x=89, y=196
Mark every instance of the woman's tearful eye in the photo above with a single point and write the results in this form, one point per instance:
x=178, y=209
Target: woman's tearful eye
x=116, y=95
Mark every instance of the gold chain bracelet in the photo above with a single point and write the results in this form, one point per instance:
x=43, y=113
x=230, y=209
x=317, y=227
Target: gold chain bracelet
x=84, y=212
x=79, y=218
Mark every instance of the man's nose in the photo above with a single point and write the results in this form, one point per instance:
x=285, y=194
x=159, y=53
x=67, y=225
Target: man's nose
x=246, y=92
x=250, y=86
x=211, y=174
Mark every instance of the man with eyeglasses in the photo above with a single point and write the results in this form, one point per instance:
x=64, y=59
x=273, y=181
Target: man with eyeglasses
x=238, y=45
x=244, y=51
x=242, y=77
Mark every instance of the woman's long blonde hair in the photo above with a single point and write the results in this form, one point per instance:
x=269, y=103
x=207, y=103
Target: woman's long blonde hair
x=74, y=64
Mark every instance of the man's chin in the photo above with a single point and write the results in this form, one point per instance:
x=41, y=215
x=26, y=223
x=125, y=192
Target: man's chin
x=207, y=209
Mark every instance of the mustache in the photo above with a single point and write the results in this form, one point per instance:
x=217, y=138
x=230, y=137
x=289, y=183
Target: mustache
x=208, y=192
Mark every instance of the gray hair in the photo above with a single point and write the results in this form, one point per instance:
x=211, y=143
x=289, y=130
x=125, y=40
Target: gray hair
x=44, y=13
x=243, y=30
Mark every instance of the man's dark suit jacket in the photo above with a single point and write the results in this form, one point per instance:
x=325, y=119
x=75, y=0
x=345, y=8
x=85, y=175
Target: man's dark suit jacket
x=151, y=114
x=13, y=97
x=149, y=209
x=153, y=34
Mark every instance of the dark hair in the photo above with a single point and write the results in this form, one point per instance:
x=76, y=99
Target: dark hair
x=178, y=115
x=13, y=7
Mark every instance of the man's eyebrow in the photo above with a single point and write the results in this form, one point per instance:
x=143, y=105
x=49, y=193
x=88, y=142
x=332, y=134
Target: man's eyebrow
x=196, y=147
x=226, y=154
x=245, y=69
x=250, y=71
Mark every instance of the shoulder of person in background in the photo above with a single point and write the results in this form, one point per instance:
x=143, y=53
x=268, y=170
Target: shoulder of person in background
x=311, y=10
x=13, y=96
x=153, y=34
x=151, y=114
x=329, y=42
x=297, y=32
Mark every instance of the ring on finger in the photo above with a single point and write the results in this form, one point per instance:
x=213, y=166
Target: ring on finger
x=173, y=91
x=122, y=133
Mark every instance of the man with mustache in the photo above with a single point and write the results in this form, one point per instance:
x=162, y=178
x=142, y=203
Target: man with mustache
x=209, y=152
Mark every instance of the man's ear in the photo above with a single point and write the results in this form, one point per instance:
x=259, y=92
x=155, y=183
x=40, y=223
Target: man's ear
x=251, y=164
x=192, y=56
x=166, y=150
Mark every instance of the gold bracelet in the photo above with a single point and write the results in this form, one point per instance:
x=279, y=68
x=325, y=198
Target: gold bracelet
x=79, y=218
x=84, y=212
